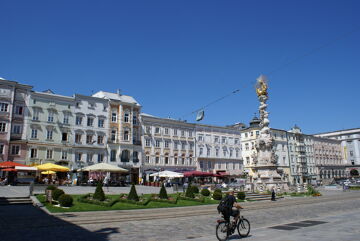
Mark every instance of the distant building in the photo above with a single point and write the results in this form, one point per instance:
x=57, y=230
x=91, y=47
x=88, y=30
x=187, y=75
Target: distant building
x=350, y=145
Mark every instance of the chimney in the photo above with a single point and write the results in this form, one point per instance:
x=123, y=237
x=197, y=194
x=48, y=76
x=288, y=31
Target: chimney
x=118, y=91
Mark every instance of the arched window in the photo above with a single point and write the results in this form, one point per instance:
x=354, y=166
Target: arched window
x=125, y=156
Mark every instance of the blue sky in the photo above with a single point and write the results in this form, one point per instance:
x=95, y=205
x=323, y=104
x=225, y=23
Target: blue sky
x=176, y=56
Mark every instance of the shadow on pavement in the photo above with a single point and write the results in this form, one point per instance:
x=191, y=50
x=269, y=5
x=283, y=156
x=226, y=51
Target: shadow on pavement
x=233, y=237
x=26, y=222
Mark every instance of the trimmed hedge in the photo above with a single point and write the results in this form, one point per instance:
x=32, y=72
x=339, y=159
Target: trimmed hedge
x=217, y=195
x=50, y=187
x=133, y=194
x=195, y=189
x=241, y=195
x=163, y=193
x=99, y=192
x=189, y=192
x=57, y=193
x=66, y=200
x=205, y=192
x=86, y=199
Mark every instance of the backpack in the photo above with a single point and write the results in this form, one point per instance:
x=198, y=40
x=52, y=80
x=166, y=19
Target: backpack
x=224, y=206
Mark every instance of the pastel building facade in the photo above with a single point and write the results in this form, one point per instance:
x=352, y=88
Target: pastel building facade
x=13, y=105
x=124, y=132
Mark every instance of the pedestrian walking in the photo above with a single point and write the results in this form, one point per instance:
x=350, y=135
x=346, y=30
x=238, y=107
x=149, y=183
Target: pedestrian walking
x=273, y=198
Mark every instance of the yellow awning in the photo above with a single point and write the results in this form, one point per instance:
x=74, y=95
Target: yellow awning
x=48, y=172
x=52, y=167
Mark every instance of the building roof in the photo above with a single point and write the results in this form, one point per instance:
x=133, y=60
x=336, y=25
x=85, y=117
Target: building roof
x=116, y=96
x=338, y=132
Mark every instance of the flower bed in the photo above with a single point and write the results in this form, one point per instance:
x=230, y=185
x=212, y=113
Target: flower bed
x=89, y=199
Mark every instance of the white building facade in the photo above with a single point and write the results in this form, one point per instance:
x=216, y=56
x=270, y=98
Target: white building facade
x=167, y=145
x=90, y=130
x=218, y=150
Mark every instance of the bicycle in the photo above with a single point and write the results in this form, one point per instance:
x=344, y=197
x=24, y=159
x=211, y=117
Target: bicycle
x=224, y=229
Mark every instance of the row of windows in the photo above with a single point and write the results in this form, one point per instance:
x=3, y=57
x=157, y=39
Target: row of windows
x=169, y=160
x=89, y=121
x=167, y=144
x=251, y=133
x=226, y=165
x=224, y=140
x=18, y=110
x=226, y=153
x=126, y=119
x=125, y=156
x=166, y=131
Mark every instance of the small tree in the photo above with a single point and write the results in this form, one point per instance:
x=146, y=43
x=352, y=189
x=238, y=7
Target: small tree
x=99, y=192
x=163, y=193
x=133, y=194
x=189, y=192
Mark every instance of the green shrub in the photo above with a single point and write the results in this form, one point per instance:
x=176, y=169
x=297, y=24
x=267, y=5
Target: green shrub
x=312, y=191
x=65, y=200
x=195, y=189
x=189, y=192
x=133, y=194
x=163, y=193
x=99, y=192
x=241, y=195
x=217, y=195
x=50, y=187
x=57, y=193
x=205, y=192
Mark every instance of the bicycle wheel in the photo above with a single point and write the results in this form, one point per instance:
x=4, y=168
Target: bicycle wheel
x=243, y=227
x=222, y=231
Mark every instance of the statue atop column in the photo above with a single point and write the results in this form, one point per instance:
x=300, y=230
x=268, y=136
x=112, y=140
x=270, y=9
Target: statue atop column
x=265, y=159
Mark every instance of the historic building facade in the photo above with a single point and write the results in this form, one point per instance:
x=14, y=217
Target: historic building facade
x=218, y=150
x=167, y=144
x=90, y=130
x=124, y=142
x=350, y=147
x=13, y=104
x=49, y=128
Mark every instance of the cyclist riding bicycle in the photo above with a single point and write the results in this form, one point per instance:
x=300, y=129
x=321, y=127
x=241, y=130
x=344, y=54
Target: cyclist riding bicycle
x=226, y=207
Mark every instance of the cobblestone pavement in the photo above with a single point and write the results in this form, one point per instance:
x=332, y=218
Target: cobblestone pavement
x=341, y=211
x=203, y=227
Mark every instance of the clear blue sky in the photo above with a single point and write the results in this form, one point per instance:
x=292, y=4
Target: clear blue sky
x=176, y=56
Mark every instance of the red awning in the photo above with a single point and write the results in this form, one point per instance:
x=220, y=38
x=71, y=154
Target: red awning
x=9, y=170
x=222, y=174
x=197, y=174
x=9, y=164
